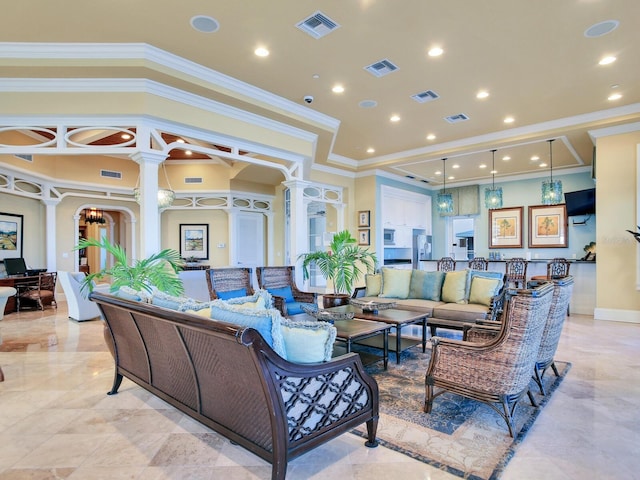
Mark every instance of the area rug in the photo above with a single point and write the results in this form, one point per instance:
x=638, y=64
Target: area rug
x=460, y=436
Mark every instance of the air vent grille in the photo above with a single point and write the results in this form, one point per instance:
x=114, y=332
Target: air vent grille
x=317, y=25
x=426, y=96
x=192, y=180
x=28, y=158
x=381, y=68
x=110, y=174
x=460, y=117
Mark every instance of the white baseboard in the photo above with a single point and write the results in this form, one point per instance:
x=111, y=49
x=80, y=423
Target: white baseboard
x=614, y=315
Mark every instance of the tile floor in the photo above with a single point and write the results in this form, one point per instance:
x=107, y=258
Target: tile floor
x=57, y=423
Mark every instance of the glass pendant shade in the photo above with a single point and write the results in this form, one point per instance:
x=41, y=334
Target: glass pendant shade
x=493, y=194
x=551, y=189
x=166, y=196
x=444, y=200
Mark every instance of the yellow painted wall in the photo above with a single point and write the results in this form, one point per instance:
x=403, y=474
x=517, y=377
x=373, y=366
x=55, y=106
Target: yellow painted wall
x=616, y=173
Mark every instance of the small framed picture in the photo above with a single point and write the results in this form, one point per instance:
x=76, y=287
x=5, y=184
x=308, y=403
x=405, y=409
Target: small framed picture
x=194, y=241
x=364, y=218
x=548, y=226
x=363, y=237
x=505, y=227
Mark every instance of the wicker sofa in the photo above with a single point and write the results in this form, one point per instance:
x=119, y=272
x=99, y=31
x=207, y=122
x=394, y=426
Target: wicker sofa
x=452, y=299
x=228, y=378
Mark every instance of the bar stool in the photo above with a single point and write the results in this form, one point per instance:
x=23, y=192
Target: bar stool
x=479, y=263
x=556, y=268
x=516, y=272
x=446, y=264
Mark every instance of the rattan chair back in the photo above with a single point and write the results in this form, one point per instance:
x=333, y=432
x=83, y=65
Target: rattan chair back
x=446, y=264
x=229, y=279
x=479, y=263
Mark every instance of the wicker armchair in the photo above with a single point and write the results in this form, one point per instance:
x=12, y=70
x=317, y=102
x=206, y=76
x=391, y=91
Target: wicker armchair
x=226, y=283
x=39, y=294
x=280, y=279
x=562, y=291
x=497, y=372
x=446, y=264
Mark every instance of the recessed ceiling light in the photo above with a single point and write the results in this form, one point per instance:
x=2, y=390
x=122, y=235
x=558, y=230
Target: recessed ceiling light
x=188, y=152
x=204, y=24
x=337, y=89
x=482, y=165
x=455, y=165
x=435, y=52
x=535, y=158
x=431, y=136
x=451, y=177
x=438, y=172
x=607, y=60
x=614, y=96
x=261, y=52
x=125, y=136
x=395, y=118
x=180, y=140
x=542, y=165
x=509, y=120
x=506, y=158
x=601, y=28
x=493, y=172
x=482, y=94
x=371, y=150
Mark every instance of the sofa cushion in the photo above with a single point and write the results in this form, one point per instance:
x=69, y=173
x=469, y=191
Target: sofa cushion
x=454, y=286
x=373, y=284
x=260, y=299
x=395, y=283
x=284, y=292
x=483, y=289
x=308, y=342
x=484, y=274
x=464, y=313
x=162, y=299
x=266, y=321
x=426, y=285
x=418, y=305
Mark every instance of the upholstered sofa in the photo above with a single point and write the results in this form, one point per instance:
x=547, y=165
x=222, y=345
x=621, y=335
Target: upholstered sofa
x=450, y=298
x=221, y=363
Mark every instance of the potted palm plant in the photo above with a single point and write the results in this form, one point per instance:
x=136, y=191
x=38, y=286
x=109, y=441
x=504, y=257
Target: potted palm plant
x=159, y=270
x=341, y=264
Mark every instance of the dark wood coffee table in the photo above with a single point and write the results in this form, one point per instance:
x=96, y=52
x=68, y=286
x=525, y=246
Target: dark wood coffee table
x=355, y=330
x=395, y=318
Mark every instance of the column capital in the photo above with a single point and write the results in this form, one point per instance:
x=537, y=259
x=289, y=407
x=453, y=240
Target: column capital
x=141, y=157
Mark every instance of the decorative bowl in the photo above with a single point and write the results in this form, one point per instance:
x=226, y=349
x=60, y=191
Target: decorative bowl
x=370, y=306
x=326, y=315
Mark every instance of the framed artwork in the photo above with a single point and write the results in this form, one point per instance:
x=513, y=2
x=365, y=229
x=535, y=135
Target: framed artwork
x=364, y=218
x=194, y=241
x=11, y=235
x=505, y=227
x=548, y=226
x=363, y=237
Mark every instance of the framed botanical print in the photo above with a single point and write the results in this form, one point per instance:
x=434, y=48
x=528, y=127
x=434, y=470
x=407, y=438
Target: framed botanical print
x=363, y=237
x=364, y=218
x=194, y=241
x=505, y=227
x=548, y=226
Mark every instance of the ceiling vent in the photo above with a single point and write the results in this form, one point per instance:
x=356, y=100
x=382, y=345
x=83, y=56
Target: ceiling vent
x=317, y=25
x=110, y=174
x=381, y=68
x=192, y=180
x=28, y=158
x=426, y=96
x=460, y=117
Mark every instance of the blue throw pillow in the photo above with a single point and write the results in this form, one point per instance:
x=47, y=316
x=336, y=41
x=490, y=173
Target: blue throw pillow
x=242, y=292
x=483, y=274
x=294, y=308
x=283, y=292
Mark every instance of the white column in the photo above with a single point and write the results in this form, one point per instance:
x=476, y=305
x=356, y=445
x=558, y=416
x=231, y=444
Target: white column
x=149, y=214
x=50, y=233
x=232, y=215
x=298, y=224
x=270, y=247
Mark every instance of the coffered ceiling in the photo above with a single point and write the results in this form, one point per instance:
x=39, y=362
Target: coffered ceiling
x=537, y=62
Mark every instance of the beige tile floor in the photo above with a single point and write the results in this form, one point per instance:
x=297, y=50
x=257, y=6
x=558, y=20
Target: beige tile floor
x=57, y=423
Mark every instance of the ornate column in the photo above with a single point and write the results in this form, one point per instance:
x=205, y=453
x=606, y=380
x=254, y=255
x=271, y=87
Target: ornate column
x=298, y=224
x=50, y=232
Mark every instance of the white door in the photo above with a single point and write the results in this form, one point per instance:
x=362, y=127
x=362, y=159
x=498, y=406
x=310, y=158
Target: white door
x=249, y=240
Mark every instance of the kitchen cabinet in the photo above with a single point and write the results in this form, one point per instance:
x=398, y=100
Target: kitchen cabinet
x=406, y=209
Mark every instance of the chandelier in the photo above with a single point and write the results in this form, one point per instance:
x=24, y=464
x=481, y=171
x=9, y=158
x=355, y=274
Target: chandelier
x=93, y=215
x=444, y=200
x=551, y=189
x=166, y=196
x=493, y=195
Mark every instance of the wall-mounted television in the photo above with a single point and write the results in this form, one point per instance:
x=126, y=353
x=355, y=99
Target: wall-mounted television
x=581, y=202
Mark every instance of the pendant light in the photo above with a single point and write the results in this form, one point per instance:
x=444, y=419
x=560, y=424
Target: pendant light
x=493, y=195
x=166, y=196
x=444, y=200
x=94, y=215
x=551, y=189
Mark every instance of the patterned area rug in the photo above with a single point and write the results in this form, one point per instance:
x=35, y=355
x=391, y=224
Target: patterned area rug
x=461, y=436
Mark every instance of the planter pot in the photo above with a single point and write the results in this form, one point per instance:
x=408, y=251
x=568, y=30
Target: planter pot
x=335, y=299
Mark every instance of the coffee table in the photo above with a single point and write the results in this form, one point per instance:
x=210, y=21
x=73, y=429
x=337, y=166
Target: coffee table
x=395, y=318
x=357, y=331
